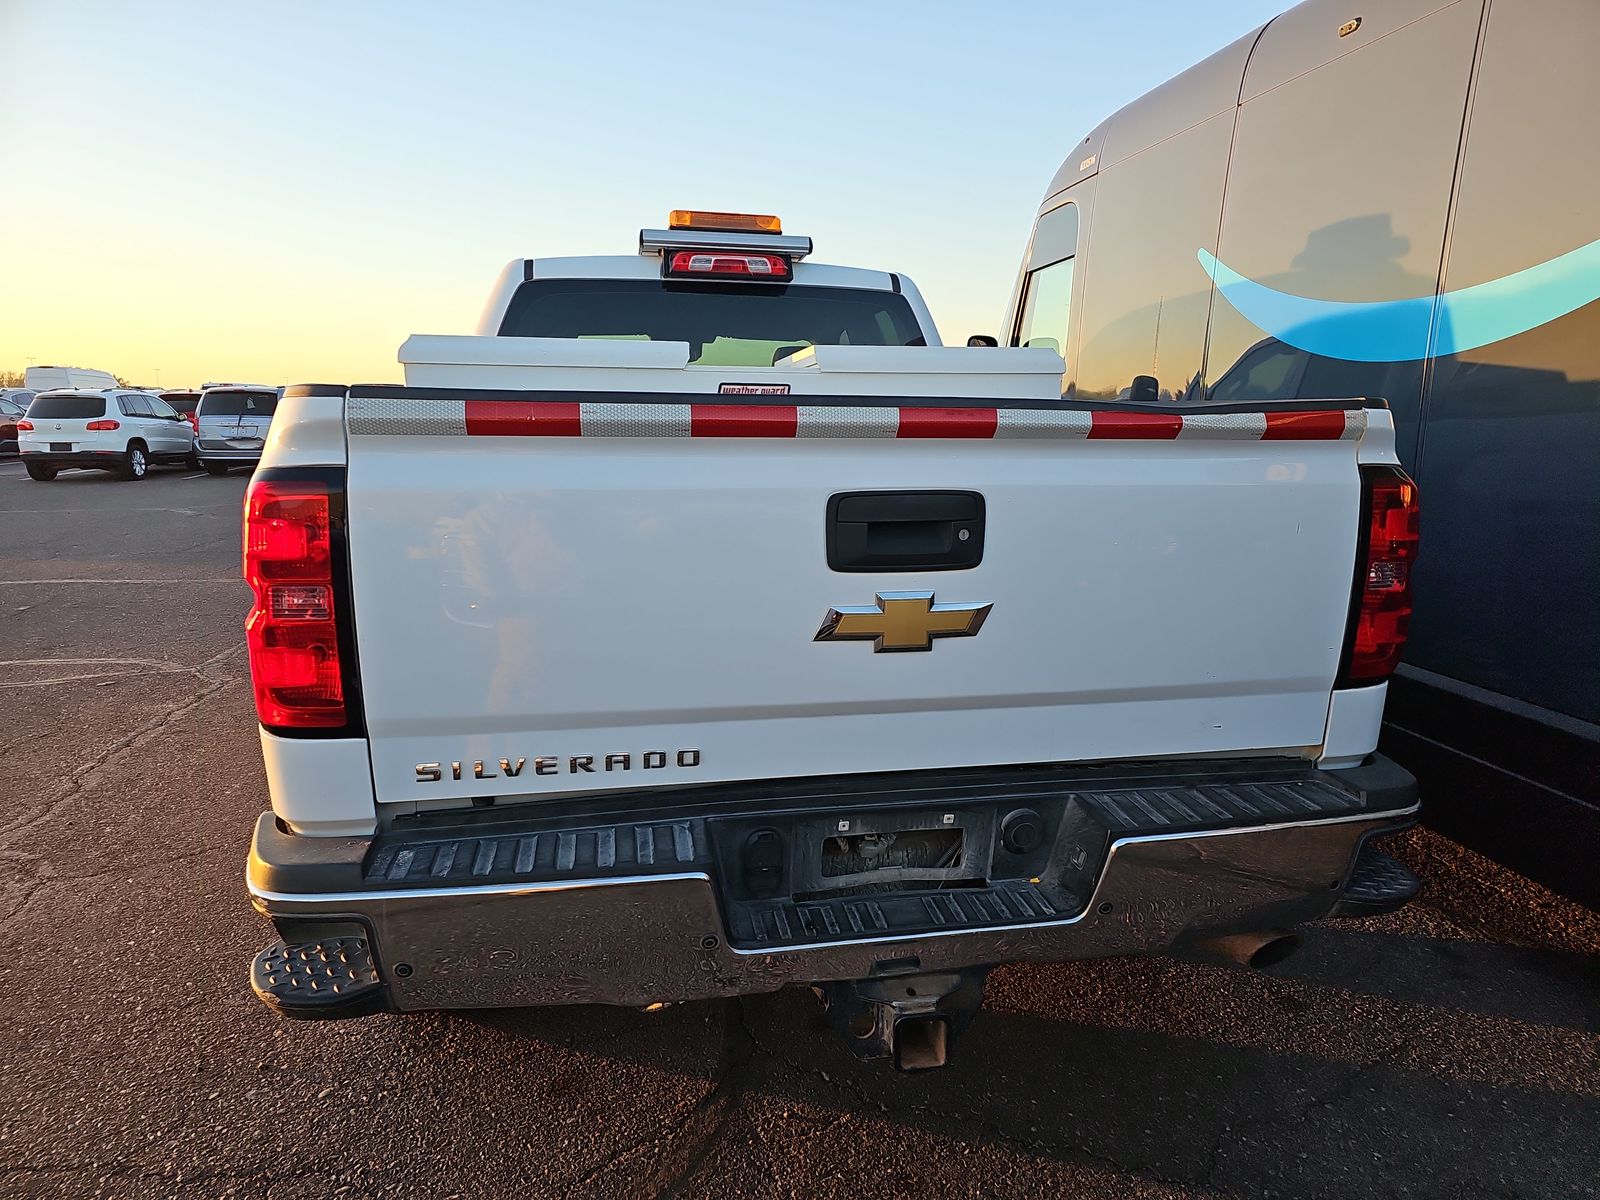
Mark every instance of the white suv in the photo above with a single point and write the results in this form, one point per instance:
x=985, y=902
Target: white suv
x=111, y=430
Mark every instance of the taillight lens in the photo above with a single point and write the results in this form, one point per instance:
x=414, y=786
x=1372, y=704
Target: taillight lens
x=1381, y=607
x=194, y=421
x=24, y=426
x=292, y=630
x=753, y=266
x=103, y=426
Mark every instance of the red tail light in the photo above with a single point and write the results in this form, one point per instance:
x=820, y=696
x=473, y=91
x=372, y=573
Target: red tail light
x=1381, y=607
x=103, y=426
x=754, y=266
x=194, y=421
x=293, y=628
x=24, y=426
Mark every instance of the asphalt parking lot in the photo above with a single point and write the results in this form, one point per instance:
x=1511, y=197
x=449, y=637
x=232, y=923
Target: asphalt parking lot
x=1452, y=1049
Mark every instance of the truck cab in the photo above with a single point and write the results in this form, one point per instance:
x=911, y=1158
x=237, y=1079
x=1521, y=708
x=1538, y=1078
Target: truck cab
x=738, y=294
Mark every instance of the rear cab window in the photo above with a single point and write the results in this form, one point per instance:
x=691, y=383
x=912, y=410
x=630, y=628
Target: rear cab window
x=238, y=404
x=724, y=324
x=67, y=408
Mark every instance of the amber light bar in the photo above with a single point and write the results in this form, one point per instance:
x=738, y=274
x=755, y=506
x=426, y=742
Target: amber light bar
x=723, y=222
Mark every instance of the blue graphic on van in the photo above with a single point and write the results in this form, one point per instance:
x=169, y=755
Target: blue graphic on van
x=1398, y=330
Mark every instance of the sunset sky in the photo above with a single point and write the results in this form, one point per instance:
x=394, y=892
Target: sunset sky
x=283, y=192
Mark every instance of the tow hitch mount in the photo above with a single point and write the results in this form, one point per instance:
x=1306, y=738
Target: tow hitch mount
x=912, y=1020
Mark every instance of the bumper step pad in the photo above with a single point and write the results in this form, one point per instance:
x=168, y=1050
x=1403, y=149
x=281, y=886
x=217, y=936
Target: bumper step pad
x=1378, y=884
x=1140, y=811
x=314, y=981
x=888, y=914
x=468, y=860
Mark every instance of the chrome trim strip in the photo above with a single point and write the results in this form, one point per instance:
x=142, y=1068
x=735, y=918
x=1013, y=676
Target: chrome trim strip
x=656, y=241
x=486, y=889
x=1200, y=833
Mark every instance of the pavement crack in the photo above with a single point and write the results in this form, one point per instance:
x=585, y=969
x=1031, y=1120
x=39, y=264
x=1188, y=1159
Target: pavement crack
x=37, y=879
x=678, y=1151
x=76, y=783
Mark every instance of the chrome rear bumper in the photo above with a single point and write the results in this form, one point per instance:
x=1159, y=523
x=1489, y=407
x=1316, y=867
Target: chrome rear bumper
x=582, y=913
x=639, y=940
x=229, y=454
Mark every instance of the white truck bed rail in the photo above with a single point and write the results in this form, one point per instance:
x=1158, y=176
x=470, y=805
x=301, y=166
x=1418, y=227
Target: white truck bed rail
x=603, y=365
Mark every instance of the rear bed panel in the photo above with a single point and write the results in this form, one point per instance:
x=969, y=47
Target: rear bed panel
x=561, y=599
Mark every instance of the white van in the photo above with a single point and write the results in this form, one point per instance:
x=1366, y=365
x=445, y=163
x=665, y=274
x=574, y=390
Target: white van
x=41, y=379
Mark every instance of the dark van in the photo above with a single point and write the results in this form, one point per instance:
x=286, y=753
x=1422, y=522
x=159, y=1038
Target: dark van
x=1395, y=201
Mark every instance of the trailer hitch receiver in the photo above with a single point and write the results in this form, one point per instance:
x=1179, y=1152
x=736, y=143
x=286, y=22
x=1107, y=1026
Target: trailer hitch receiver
x=912, y=1020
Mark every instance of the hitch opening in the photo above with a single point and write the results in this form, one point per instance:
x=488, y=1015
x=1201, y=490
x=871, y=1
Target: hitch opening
x=921, y=1043
x=912, y=1020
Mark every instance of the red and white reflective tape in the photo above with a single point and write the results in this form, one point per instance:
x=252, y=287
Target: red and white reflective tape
x=398, y=416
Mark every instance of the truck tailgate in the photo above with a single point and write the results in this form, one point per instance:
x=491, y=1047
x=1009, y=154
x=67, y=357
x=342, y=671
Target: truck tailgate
x=616, y=595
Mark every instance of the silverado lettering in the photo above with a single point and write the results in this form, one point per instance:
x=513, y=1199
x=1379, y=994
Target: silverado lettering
x=549, y=764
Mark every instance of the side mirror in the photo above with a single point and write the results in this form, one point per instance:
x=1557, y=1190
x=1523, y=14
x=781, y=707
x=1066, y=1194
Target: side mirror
x=1145, y=390
x=983, y=339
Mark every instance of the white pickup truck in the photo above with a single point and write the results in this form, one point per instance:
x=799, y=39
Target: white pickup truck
x=703, y=626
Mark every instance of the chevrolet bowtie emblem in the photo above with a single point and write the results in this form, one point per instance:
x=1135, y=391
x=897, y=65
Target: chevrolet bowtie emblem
x=902, y=621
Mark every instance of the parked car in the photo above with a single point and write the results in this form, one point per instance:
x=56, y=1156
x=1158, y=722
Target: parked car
x=231, y=423
x=185, y=404
x=13, y=404
x=101, y=430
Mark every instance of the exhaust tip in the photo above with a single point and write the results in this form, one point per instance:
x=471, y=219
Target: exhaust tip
x=1275, y=949
x=1263, y=948
x=921, y=1043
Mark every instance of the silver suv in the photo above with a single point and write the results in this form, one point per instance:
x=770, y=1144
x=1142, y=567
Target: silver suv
x=231, y=422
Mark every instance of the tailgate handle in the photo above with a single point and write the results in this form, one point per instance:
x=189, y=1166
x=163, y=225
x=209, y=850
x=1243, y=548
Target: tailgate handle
x=905, y=531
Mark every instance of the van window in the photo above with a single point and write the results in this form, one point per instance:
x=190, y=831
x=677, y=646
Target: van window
x=239, y=404
x=1046, y=305
x=69, y=408
x=1047, y=290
